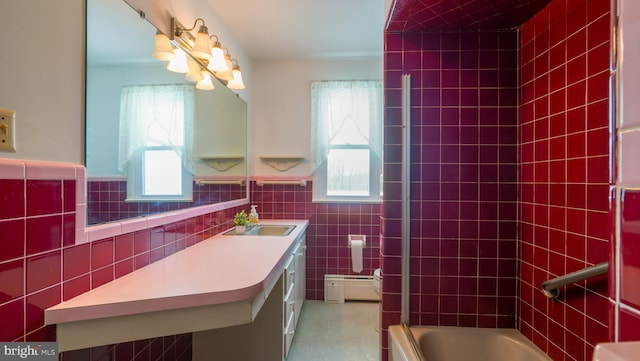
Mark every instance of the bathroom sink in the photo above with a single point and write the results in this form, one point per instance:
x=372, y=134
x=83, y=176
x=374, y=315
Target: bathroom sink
x=264, y=230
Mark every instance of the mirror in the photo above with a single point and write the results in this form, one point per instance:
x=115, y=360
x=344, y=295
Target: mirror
x=119, y=47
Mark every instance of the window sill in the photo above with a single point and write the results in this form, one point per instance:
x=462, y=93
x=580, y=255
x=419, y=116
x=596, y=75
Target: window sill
x=133, y=200
x=347, y=200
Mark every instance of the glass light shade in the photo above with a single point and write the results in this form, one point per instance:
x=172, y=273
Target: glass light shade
x=227, y=74
x=163, y=49
x=195, y=71
x=179, y=63
x=201, y=48
x=217, y=62
x=236, y=82
x=206, y=83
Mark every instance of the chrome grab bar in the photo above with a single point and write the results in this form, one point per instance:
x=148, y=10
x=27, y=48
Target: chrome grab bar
x=201, y=182
x=301, y=182
x=550, y=287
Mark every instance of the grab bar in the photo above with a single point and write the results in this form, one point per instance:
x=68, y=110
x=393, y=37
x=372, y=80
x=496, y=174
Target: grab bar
x=550, y=287
x=301, y=182
x=201, y=182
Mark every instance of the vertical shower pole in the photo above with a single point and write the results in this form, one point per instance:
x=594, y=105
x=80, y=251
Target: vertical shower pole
x=406, y=191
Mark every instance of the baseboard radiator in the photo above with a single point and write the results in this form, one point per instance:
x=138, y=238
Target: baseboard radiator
x=339, y=288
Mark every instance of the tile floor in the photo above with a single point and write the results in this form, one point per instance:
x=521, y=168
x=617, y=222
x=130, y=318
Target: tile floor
x=337, y=331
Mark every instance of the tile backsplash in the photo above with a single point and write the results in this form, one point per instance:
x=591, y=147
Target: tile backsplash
x=41, y=265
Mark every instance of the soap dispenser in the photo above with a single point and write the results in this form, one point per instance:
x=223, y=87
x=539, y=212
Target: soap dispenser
x=253, y=215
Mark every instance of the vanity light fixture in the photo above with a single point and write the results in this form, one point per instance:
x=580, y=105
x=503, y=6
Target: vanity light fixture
x=163, y=49
x=195, y=71
x=214, y=59
x=236, y=82
x=217, y=62
x=206, y=83
x=227, y=74
x=201, y=47
x=179, y=63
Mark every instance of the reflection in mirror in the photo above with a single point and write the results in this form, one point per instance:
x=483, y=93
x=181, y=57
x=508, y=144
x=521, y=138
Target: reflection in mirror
x=119, y=57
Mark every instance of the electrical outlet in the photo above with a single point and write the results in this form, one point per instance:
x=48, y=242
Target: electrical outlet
x=7, y=130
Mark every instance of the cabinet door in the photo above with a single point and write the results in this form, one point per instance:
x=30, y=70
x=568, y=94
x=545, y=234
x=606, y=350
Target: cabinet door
x=301, y=282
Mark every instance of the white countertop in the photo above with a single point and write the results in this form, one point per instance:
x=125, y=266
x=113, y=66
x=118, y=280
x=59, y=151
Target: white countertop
x=617, y=351
x=223, y=269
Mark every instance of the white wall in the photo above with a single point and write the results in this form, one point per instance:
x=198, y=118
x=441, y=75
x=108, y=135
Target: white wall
x=282, y=106
x=41, y=77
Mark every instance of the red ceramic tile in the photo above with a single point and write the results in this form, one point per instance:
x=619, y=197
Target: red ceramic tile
x=142, y=241
x=629, y=326
x=12, y=280
x=102, y=253
x=140, y=260
x=12, y=315
x=43, y=197
x=76, y=286
x=43, y=234
x=124, y=246
x=69, y=195
x=12, y=239
x=76, y=261
x=157, y=237
x=68, y=229
x=598, y=87
x=43, y=271
x=36, y=304
x=102, y=276
x=12, y=202
x=123, y=267
x=630, y=247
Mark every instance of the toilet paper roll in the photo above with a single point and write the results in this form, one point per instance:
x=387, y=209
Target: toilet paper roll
x=356, y=255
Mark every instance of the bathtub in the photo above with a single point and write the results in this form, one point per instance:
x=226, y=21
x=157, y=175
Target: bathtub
x=439, y=343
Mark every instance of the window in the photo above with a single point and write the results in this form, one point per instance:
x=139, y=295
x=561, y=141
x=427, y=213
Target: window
x=155, y=120
x=346, y=136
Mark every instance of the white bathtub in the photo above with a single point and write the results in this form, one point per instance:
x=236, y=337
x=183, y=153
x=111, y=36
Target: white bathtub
x=462, y=344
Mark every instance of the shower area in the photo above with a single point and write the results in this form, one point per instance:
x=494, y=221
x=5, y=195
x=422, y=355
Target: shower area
x=508, y=159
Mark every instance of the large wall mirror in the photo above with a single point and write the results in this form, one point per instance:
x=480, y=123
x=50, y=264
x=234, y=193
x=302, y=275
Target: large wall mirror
x=119, y=48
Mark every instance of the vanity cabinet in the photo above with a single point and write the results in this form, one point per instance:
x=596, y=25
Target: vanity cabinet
x=269, y=336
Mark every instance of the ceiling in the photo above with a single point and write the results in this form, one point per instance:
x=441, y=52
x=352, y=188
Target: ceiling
x=414, y=15
x=305, y=29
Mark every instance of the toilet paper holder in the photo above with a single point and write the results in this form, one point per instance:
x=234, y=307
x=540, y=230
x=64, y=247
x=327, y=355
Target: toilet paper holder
x=358, y=237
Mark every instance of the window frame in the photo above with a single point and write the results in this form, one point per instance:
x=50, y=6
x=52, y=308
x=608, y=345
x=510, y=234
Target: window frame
x=319, y=191
x=136, y=178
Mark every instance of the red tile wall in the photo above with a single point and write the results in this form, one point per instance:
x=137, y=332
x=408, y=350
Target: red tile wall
x=629, y=321
x=40, y=265
x=412, y=15
x=463, y=178
x=106, y=200
x=327, y=234
x=564, y=222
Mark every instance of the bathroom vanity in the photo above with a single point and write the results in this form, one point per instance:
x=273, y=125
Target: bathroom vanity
x=269, y=336
x=229, y=291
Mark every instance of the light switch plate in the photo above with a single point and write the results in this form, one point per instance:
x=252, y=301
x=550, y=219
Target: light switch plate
x=7, y=130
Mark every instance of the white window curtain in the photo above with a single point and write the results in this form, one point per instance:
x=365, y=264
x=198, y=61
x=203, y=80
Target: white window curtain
x=336, y=105
x=157, y=115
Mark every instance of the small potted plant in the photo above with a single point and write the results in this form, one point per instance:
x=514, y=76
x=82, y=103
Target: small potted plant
x=241, y=220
